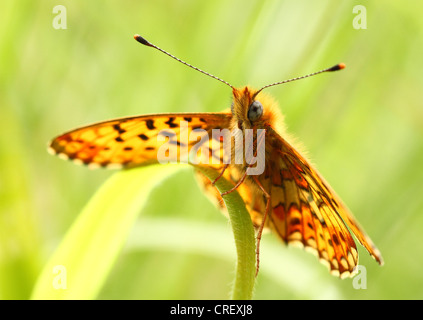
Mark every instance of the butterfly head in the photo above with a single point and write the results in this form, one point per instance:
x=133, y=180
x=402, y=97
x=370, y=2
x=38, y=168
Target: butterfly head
x=253, y=109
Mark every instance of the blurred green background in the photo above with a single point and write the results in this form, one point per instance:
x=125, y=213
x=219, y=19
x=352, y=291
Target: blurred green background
x=362, y=128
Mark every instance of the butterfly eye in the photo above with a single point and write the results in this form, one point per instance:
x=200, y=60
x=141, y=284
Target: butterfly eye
x=255, y=111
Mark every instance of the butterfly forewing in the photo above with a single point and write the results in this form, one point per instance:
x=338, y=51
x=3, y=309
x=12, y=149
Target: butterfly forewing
x=136, y=141
x=312, y=213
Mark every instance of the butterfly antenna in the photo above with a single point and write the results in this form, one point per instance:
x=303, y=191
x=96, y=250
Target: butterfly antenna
x=337, y=67
x=149, y=44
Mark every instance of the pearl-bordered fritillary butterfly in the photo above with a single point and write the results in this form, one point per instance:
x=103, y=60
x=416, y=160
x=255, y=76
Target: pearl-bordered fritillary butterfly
x=288, y=197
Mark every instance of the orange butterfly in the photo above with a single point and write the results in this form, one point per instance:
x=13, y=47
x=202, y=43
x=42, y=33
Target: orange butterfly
x=289, y=197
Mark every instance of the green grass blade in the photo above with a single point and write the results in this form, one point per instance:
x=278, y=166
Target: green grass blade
x=84, y=258
x=80, y=266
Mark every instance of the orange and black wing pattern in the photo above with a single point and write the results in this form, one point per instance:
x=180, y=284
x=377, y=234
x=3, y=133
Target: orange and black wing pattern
x=306, y=211
x=137, y=141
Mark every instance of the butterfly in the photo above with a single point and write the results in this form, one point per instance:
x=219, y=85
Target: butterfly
x=288, y=196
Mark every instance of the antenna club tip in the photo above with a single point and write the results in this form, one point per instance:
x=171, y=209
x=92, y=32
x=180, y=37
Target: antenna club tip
x=142, y=40
x=337, y=67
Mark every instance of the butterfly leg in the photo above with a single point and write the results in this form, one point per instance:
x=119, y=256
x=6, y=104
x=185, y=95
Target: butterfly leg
x=236, y=186
x=260, y=230
x=220, y=174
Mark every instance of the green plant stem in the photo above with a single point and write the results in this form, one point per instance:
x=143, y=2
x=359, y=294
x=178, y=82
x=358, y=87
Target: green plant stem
x=243, y=231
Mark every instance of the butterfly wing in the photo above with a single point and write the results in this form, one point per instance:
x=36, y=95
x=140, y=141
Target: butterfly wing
x=137, y=141
x=306, y=210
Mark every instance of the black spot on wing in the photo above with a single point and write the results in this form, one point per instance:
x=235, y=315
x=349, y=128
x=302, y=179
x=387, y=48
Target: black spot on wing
x=171, y=124
x=150, y=124
x=118, y=128
x=142, y=136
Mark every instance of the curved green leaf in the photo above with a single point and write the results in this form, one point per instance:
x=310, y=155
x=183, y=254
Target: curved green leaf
x=80, y=265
